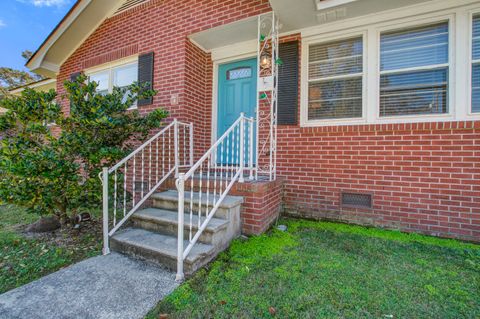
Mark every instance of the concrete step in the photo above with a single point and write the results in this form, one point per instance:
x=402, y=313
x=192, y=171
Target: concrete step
x=166, y=222
x=160, y=249
x=168, y=200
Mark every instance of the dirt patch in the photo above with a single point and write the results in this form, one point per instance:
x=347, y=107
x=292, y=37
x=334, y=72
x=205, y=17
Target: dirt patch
x=44, y=224
x=67, y=236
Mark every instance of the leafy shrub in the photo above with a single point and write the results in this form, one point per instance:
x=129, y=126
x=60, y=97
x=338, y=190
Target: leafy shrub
x=57, y=174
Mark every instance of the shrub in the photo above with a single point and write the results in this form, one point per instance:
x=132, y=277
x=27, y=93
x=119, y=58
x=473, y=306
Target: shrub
x=58, y=174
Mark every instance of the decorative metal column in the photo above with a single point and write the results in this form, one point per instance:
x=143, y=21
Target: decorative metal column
x=268, y=62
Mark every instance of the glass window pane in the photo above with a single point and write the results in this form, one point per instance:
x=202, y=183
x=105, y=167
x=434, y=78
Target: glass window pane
x=335, y=58
x=420, y=92
x=125, y=75
x=340, y=97
x=414, y=47
x=476, y=66
x=335, y=99
x=476, y=88
x=102, y=79
x=239, y=73
x=476, y=38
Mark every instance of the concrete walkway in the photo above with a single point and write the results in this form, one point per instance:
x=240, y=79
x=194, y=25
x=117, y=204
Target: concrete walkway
x=112, y=286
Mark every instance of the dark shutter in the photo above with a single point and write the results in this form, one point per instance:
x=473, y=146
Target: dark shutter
x=74, y=76
x=288, y=84
x=145, y=74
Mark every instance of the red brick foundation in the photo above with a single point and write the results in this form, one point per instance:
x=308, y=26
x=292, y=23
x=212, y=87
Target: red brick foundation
x=262, y=204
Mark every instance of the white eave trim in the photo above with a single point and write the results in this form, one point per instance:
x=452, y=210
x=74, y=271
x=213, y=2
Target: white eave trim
x=34, y=85
x=37, y=61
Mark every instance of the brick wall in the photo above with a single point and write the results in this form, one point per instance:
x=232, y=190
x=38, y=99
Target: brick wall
x=198, y=96
x=262, y=204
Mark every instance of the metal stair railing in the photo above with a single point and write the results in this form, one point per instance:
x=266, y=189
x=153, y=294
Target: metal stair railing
x=212, y=176
x=128, y=184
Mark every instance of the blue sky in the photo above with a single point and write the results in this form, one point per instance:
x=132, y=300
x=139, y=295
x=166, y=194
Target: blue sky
x=24, y=24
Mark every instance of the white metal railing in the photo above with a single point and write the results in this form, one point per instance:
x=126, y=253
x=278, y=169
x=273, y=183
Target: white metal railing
x=267, y=110
x=128, y=184
x=212, y=176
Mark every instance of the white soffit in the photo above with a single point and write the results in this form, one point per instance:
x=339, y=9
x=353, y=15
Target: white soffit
x=228, y=34
x=299, y=14
x=74, y=29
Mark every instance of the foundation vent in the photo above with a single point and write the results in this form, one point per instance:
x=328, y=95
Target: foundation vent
x=128, y=5
x=356, y=200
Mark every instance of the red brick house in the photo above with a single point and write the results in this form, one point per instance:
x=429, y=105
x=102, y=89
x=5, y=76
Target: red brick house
x=363, y=111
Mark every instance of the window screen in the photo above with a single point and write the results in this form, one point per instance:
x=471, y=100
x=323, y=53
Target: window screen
x=335, y=79
x=476, y=64
x=414, y=71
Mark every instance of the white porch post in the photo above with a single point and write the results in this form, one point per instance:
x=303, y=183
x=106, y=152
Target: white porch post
x=250, y=148
x=242, y=146
x=181, y=203
x=106, y=247
x=175, y=146
x=191, y=144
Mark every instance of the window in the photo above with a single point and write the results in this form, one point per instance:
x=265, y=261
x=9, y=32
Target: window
x=476, y=65
x=102, y=79
x=414, y=71
x=239, y=73
x=119, y=76
x=335, y=80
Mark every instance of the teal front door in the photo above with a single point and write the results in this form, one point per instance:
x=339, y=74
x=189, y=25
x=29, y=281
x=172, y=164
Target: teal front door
x=237, y=91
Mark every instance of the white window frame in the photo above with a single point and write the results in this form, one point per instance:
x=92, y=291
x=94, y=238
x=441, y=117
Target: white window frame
x=450, y=64
x=110, y=68
x=304, y=121
x=459, y=16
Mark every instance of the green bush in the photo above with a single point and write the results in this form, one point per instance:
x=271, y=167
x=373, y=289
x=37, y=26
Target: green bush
x=57, y=174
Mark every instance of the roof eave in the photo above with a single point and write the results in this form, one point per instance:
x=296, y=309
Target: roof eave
x=80, y=22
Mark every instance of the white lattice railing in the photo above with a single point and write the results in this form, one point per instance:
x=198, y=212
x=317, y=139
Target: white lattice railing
x=128, y=184
x=211, y=178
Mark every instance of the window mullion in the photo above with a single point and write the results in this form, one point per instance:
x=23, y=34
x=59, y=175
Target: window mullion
x=414, y=69
x=110, y=80
x=335, y=77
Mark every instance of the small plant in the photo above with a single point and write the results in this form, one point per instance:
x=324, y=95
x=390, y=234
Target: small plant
x=57, y=174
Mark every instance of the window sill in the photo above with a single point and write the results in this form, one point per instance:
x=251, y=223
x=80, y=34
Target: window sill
x=333, y=122
x=419, y=118
x=387, y=120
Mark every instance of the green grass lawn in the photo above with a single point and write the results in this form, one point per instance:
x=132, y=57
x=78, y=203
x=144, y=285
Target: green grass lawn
x=328, y=270
x=23, y=259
